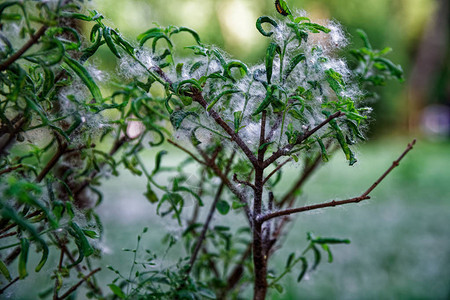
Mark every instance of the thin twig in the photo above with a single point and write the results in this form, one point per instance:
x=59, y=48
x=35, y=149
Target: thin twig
x=364, y=196
x=10, y=169
x=277, y=169
x=210, y=215
x=186, y=151
x=8, y=234
x=197, y=96
x=9, y=284
x=287, y=148
x=62, y=147
x=73, y=288
x=34, y=38
x=235, y=179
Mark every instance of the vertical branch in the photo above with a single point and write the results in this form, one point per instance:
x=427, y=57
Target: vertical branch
x=259, y=259
x=201, y=238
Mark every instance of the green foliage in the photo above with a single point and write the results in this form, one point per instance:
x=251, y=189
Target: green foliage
x=62, y=136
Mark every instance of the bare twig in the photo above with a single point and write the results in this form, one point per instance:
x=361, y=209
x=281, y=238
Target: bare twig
x=276, y=169
x=74, y=287
x=235, y=179
x=186, y=151
x=287, y=148
x=34, y=38
x=62, y=147
x=209, y=217
x=197, y=96
x=10, y=169
x=9, y=284
x=363, y=196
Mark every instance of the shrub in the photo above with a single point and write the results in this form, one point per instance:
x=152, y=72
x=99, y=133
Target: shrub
x=239, y=125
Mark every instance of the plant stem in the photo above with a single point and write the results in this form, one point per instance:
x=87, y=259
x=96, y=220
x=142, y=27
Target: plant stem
x=201, y=238
x=73, y=288
x=364, y=196
x=34, y=38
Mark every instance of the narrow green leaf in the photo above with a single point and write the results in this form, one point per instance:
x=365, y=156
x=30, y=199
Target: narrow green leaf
x=278, y=287
x=188, y=30
x=317, y=256
x=289, y=260
x=271, y=51
x=177, y=117
x=293, y=63
x=216, y=99
x=365, y=38
x=150, y=194
x=5, y=271
x=237, y=204
x=158, y=159
x=85, y=77
x=117, y=291
x=109, y=41
x=265, y=19
x=237, y=120
x=331, y=241
x=243, y=69
x=304, y=269
x=24, y=247
x=81, y=240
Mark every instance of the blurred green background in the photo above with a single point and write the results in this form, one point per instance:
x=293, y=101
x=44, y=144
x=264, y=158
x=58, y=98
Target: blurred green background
x=401, y=238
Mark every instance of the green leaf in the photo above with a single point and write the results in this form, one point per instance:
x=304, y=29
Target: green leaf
x=395, y=70
x=293, y=63
x=265, y=19
x=81, y=241
x=237, y=120
x=289, y=260
x=331, y=241
x=328, y=250
x=227, y=92
x=158, y=159
x=317, y=256
x=24, y=247
x=278, y=287
x=117, y=291
x=237, y=204
x=177, y=117
x=304, y=269
x=5, y=270
x=365, y=38
x=85, y=77
x=109, y=41
x=335, y=81
x=188, y=30
x=322, y=149
x=235, y=64
x=349, y=155
x=283, y=8
x=271, y=51
x=223, y=207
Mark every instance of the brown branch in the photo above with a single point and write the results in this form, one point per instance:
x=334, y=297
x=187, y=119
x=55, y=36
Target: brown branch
x=8, y=234
x=10, y=169
x=62, y=147
x=186, y=151
x=289, y=196
x=202, y=236
x=197, y=96
x=287, y=148
x=227, y=182
x=9, y=284
x=235, y=179
x=34, y=38
x=237, y=272
x=74, y=287
x=364, y=196
x=277, y=169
